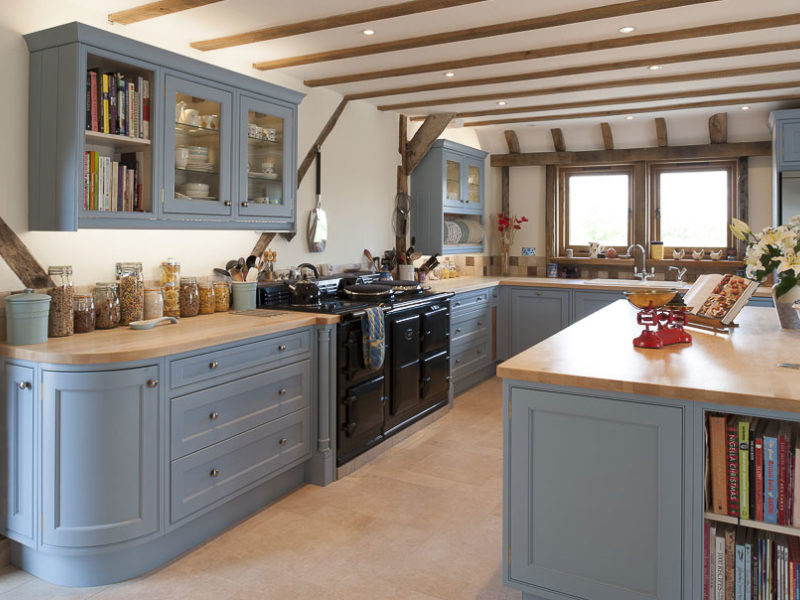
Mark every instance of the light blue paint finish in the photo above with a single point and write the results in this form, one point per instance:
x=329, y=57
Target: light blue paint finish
x=99, y=456
x=471, y=337
x=785, y=126
x=20, y=410
x=321, y=467
x=536, y=314
x=587, y=302
x=761, y=301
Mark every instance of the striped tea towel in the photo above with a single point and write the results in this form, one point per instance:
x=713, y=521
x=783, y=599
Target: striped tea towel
x=372, y=329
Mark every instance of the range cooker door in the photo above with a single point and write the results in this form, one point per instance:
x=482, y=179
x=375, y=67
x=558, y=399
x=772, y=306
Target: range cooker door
x=435, y=385
x=360, y=418
x=405, y=346
x=350, y=356
x=436, y=328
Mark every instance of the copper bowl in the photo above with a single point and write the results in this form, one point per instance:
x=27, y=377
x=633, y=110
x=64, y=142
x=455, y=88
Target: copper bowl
x=650, y=298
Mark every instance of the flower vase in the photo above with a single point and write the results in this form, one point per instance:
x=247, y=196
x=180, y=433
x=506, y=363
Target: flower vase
x=787, y=315
x=505, y=268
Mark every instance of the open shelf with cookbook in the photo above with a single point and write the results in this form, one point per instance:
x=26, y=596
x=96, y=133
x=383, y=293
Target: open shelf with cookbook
x=751, y=528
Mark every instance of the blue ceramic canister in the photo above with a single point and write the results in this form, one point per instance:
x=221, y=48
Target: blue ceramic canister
x=26, y=318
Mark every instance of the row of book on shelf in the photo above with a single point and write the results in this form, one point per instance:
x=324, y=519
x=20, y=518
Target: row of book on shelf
x=752, y=465
x=112, y=185
x=118, y=104
x=740, y=563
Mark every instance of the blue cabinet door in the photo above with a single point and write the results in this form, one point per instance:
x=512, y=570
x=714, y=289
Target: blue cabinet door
x=100, y=456
x=587, y=302
x=597, y=492
x=20, y=428
x=789, y=144
x=536, y=314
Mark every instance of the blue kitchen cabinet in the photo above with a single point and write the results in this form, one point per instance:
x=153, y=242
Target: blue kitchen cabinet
x=21, y=439
x=536, y=314
x=785, y=125
x=100, y=445
x=763, y=301
x=473, y=337
x=589, y=301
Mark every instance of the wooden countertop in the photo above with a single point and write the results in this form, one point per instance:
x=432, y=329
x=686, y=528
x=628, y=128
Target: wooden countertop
x=125, y=344
x=738, y=368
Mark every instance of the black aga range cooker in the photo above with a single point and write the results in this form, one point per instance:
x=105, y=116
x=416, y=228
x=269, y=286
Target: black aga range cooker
x=414, y=380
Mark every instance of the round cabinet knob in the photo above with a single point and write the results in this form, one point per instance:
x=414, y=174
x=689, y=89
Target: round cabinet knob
x=24, y=385
x=480, y=323
x=245, y=204
x=458, y=361
x=227, y=203
x=214, y=473
x=458, y=303
x=214, y=416
x=479, y=298
x=282, y=392
x=213, y=365
x=538, y=293
x=282, y=347
x=458, y=329
x=283, y=441
x=151, y=383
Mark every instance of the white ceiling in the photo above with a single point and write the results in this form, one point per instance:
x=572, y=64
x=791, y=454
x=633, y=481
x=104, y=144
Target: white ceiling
x=237, y=16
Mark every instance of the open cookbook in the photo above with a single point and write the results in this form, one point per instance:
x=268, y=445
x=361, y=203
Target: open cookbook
x=719, y=297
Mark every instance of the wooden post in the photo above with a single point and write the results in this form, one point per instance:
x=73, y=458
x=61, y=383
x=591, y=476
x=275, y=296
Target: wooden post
x=718, y=128
x=423, y=139
x=20, y=259
x=608, y=139
x=558, y=140
x=505, y=175
x=512, y=141
x=661, y=131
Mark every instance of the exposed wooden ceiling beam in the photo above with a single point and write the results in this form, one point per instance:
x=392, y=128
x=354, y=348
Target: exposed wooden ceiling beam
x=608, y=138
x=423, y=139
x=472, y=33
x=646, y=109
x=718, y=128
x=598, y=85
x=606, y=44
x=512, y=141
x=737, y=89
x=576, y=70
x=559, y=145
x=155, y=9
x=528, y=159
x=661, y=131
x=332, y=22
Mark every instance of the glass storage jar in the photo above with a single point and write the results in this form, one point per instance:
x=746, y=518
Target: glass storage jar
x=61, y=311
x=83, y=309
x=172, y=302
x=206, y=298
x=153, y=303
x=131, y=292
x=222, y=296
x=190, y=297
x=170, y=271
x=106, y=305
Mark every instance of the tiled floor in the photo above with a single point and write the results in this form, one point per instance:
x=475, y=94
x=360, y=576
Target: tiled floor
x=421, y=522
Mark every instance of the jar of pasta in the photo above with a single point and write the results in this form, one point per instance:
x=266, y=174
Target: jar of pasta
x=189, y=297
x=170, y=271
x=172, y=303
x=131, y=292
x=222, y=296
x=206, y=298
x=106, y=305
x=61, y=309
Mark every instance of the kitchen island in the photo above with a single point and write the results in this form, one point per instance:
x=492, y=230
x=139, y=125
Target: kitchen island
x=604, y=451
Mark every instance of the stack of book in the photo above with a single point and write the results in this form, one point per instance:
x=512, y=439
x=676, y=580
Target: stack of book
x=753, y=463
x=118, y=104
x=746, y=564
x=111, y=185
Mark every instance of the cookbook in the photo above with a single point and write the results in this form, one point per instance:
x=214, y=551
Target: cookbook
x=719, y=297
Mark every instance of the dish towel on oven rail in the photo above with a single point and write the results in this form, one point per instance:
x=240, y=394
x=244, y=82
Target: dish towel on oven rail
x=373, y=333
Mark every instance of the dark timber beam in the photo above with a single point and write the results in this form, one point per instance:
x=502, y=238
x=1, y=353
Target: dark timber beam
x=20, y=260
x=505, y=175
x=512, y=141
x=718, y=128
x=423, y=139
x=608, y=138
x=155, y=9
x=558, y=140
x=661, y=131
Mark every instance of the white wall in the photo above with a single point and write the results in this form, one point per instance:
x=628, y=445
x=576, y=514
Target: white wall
x=358, y=179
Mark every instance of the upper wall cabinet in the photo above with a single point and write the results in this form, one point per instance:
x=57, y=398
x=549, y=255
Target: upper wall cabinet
x=785, y=126
x=125, y=135
x=448, y=189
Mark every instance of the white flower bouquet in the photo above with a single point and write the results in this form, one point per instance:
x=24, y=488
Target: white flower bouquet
x=772, y=249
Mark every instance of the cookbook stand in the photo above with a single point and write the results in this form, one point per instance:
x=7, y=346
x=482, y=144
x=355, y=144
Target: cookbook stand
x=709, y=324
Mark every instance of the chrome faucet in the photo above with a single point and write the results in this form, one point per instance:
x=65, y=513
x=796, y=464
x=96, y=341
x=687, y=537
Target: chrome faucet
x=643, y=275
x=680, y=271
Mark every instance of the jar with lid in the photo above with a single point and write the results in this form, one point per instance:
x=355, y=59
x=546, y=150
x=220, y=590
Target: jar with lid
x=222, y=296
x=172, y=303
x=153, y=303
x=170, y=271
x=190, y=297
x=83, y=309
x=106, y=305
x=206, y=298
x=61, y=311
x=131, y=292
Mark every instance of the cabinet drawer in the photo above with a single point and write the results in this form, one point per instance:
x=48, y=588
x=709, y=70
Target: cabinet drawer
x=470, y=324
x=210, y=416
x=202, y=478
x=468, y=300
x=222, y=362
x=467, y=358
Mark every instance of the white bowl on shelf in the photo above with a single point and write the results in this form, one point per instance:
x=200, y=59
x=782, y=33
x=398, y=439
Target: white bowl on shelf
x=195, y=190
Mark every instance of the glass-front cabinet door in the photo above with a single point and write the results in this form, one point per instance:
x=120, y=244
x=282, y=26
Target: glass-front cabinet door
x=266, y=147
x=198, y=140
x=453, y=181
x=474, y=186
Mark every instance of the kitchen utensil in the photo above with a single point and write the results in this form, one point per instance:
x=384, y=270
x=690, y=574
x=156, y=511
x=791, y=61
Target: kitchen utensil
x=406, y=271
x=27, y=317
x=150, y=323
x=372, y=291
x=401, y=285
x=432, y=262
x=371, y=260
x=668, y=321
x=222, y=273
x=304, y=292
x=318, y=220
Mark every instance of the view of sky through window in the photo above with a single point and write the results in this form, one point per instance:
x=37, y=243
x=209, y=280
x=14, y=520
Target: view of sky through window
x=598, y=209
x=694, y=208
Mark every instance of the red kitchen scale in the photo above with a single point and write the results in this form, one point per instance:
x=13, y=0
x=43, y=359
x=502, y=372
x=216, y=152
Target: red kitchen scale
x=663, y=326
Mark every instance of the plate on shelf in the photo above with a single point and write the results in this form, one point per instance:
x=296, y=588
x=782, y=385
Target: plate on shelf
x=271, y=176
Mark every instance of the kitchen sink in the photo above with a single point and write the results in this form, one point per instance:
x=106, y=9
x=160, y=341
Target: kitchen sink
x=635, y=283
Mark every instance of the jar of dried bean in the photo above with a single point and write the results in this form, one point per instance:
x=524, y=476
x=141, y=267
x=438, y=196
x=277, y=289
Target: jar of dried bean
x=206, y=298
x=131, y=292
x=170, y=271
x=222, y=296
x=61, y=312
x=106, y=305
x=190, y=297
x=153, y=303
x=83, y=310
x=172, y=304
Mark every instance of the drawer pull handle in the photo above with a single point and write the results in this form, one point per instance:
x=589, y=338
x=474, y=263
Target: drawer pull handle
x=458, y=361
x=214, y=416
x=283, y=441
x=24, y=385
x=213, y=365
x=458, y=329
x=538, y=293
x=478, y=298
x=282, y=347
x=214, y=473
x=151, y=383
x=282, y=392
x=458, y=303
x=480, y=323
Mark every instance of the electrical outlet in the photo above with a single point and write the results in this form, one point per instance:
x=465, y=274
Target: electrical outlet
x=528, y=251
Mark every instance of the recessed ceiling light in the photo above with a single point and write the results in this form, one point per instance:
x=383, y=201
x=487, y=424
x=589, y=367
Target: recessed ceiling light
x=368, y=31
x=627, y=29
x=745, y=107
x=449, y=74
x=501, y=103
x=629, y=118
x=655, y=67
